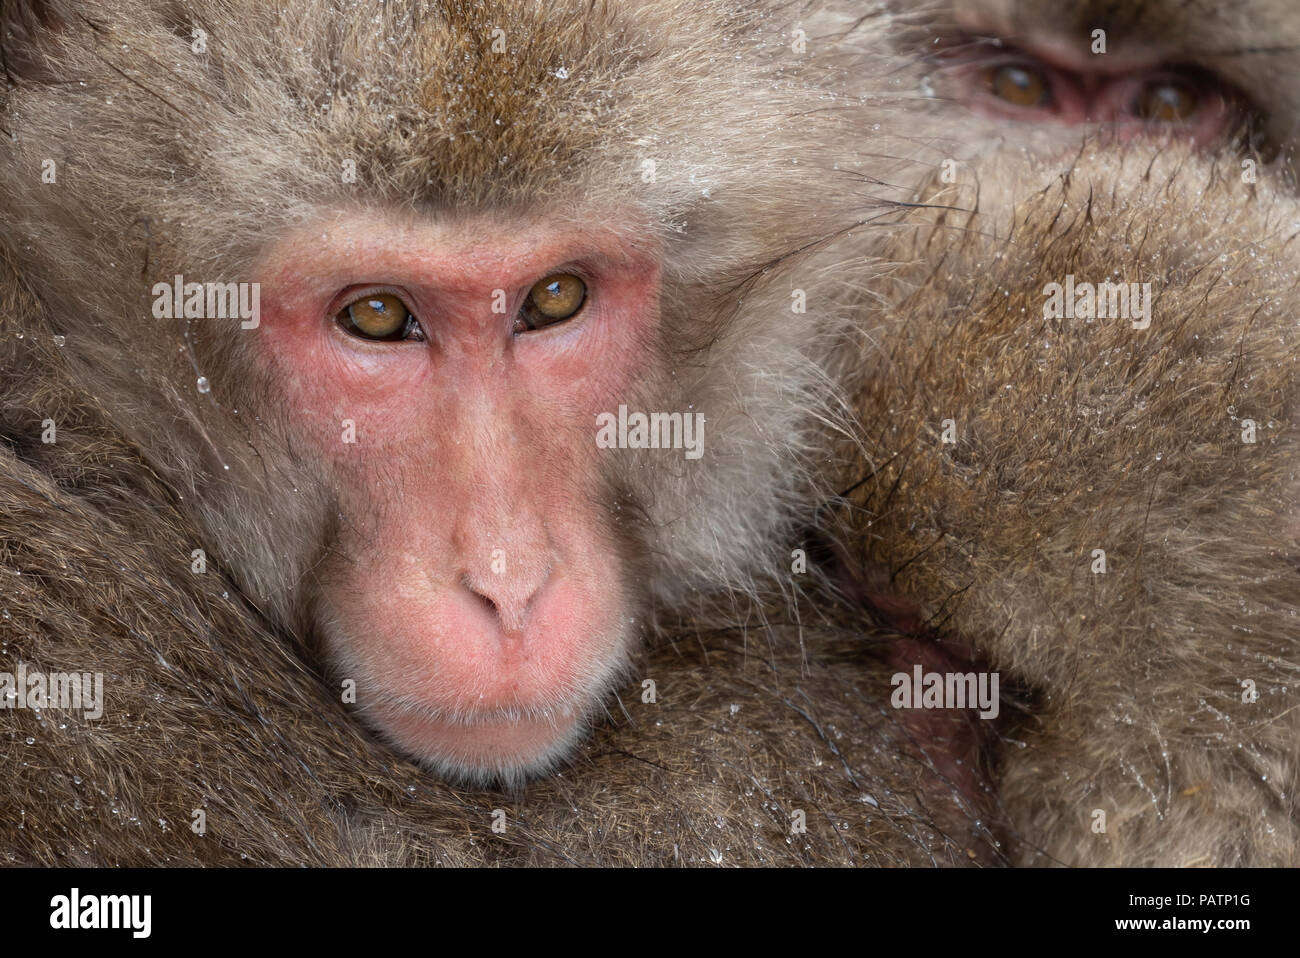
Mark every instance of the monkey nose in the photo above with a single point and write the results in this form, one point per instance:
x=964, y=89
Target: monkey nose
x=508, y=597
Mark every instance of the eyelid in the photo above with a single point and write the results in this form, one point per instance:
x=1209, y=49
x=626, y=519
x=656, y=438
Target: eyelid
x=985, y=53
x=578, y=269
x=351, y=294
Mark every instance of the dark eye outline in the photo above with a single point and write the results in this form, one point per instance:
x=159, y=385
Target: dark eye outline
x=412, y=331
x=529, y=319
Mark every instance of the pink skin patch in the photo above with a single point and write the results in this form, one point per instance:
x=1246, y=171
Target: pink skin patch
x=1105, y=90
x=474, y=592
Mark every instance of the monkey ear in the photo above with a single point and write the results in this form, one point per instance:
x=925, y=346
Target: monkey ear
x=23, y=25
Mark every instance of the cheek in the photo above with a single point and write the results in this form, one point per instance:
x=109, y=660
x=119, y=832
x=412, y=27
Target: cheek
x=331, y=398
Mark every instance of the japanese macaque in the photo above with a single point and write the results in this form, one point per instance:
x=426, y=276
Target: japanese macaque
x=373, y=375
x=207, y=740
x=429, y=317
x=377, y=378
x=1079, y=452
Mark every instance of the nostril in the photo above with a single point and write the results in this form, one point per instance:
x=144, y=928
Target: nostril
x=486, y=600
x=507, y=599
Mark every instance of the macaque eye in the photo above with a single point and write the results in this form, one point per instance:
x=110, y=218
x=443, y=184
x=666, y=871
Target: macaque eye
x=1167, y=101
x=552, y=300
x=1018, y=84
x=379, y=316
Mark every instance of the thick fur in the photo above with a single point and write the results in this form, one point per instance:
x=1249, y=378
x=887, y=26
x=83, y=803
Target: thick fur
x=1070, y=437
x=208, y=709
x=1073, y=436
x=191, y=163
x=171, y=161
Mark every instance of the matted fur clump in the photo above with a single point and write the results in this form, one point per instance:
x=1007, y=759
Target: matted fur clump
x=1004, y=452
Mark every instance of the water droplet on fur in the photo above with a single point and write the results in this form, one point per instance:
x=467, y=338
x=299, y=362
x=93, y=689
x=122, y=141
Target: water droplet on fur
x=60, y=340
x=562, y=74
x=203, y=385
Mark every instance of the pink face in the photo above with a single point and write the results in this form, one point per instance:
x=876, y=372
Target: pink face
x=475, y=591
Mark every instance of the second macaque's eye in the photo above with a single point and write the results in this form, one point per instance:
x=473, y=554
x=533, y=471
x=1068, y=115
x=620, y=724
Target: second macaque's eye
x=1167, y=101
x=1019, y=84
x=380, y=317
x=552, y=300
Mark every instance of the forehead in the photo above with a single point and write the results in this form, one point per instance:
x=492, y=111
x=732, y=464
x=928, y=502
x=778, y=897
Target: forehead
x=464, y=103
x=223, y=122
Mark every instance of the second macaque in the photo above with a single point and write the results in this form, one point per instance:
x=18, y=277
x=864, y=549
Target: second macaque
x=1079, y=452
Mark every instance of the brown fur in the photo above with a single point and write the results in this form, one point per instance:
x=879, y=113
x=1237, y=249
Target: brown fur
x=1074, y=436
x=1133, y=677
x=209, y=709
x=191, y=163
x=187, y=163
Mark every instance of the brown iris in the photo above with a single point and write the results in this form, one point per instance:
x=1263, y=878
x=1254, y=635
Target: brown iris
x=380, y=316
x=1018, y=85
x=552, y=300
x=1167, y=102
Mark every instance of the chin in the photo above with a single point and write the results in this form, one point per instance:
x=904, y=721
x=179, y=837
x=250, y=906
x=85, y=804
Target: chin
x=474, y=707
x=503, y=748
